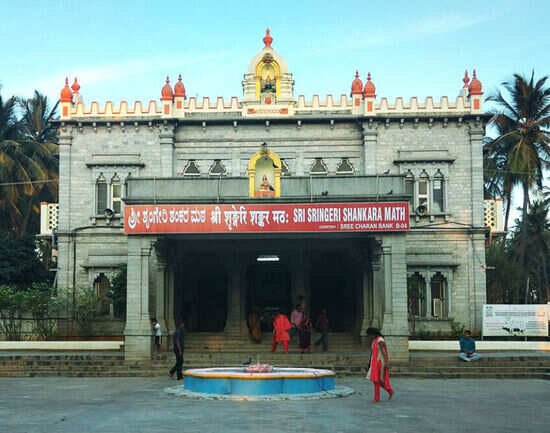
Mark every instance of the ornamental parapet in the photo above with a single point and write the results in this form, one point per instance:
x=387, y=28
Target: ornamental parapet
x=329, y=105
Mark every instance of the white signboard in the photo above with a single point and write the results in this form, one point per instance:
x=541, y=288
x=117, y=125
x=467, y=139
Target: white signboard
x=515, y=320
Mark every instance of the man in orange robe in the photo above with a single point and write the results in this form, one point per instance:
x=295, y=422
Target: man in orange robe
x=281, y=325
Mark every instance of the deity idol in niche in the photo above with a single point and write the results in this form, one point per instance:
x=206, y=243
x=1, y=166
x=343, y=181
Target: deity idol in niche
x=268, y=79
x=265, y=185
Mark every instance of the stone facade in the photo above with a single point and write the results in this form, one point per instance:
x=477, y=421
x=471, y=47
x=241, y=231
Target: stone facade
x=427, y=142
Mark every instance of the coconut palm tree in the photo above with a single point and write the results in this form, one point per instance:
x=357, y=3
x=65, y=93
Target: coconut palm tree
x=40, y=139
x=499, y=181
x=37, y=115
x=24, y=163
x=522, y=118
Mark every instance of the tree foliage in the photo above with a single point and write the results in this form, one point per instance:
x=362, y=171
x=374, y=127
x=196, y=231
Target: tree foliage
x=118, y=291
x=28, y=162
x=19, y=262
x=520, y=150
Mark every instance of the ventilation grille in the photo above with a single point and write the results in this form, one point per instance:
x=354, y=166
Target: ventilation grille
x=49, y=217
x=493, y=215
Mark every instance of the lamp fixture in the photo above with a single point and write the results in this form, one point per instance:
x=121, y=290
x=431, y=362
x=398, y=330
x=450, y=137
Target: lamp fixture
x=267, y=258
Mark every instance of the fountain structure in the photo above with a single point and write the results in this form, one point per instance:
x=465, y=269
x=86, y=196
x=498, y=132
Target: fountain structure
x=257, y=381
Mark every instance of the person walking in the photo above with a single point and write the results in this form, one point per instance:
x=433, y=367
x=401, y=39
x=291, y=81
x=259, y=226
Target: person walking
x=304, y=335
x=379, y=369
x=178, y=350
x=322, y=326
x=158, y=334
x=296, y=318
x=281, y=325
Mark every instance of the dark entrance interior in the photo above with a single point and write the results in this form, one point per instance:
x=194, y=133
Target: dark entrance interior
x=269, y=291
x=332, y=287
x=203, y=282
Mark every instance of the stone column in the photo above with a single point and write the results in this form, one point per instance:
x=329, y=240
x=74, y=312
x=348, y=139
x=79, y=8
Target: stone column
x=368, y=318
x=476, y=148
x=64, y=239
x=167, y=138
x=370, y=139
x=234, y=314
x=169, y=314
x=160, y=294
x=137, y=333
x=395, y=326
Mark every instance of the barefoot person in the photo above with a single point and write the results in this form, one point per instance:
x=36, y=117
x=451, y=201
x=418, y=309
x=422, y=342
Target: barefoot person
x=379, y=371
x=158, y=334
x=178, y=351
x=281, y=325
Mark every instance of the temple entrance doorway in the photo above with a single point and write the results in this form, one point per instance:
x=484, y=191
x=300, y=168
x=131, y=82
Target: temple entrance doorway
x=269, y=291
x=203, y=284
x=333, y=287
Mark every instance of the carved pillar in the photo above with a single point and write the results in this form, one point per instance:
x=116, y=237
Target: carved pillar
x=234, y=304
x=167, y=138
x=137, y=332
x=370, y=140
x=395, y=324
x=169, y=313
x=160, y=294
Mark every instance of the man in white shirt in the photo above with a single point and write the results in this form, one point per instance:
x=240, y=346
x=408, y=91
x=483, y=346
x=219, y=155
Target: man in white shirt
x=158, y=334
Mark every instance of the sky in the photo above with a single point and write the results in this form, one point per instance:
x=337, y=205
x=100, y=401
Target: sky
x=123, y=50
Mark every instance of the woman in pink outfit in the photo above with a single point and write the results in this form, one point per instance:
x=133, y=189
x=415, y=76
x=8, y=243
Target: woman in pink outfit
x=379, y=371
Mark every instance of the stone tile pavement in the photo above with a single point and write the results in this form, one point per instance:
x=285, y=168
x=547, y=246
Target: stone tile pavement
x=141, y=405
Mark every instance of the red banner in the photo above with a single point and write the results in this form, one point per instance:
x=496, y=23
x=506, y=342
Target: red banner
x=268, y=218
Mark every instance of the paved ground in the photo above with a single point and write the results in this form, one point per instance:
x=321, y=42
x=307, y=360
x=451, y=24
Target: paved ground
x=140, y=405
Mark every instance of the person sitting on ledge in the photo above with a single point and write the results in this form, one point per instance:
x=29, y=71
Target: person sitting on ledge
x=468, y=348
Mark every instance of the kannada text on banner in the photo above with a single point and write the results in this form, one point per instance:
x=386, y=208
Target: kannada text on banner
x=254, y=218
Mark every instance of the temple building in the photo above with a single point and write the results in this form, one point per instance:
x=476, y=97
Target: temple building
x=371, y=209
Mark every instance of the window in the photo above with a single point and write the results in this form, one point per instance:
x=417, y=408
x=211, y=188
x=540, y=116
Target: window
x=424, y=191
x=416, y=293
x=438, y=192
x=409, y=187
x=318, y=167
x=115, y=194
x=191, y=169
x=217, y=168
x=438, y=289
x=101, y=194
x=108, y=195
x=345, y=167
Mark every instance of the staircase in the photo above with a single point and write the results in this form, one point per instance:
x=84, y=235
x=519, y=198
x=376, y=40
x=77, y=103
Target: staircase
x=345, y=357
x=219, y=342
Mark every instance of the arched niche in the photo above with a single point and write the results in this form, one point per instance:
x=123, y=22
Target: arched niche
x=264, y=165
x=268, y=73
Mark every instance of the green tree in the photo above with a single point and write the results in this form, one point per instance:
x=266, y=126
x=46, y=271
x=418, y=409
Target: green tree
x=537, y=227
x=28, y=157
x=118, y=291
x=19, y=262
x=522, y=116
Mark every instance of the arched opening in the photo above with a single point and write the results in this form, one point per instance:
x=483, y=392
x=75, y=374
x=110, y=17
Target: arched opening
x=102, y=287
x=332, y=287
x=203, y=282
x=269, y=291
x=416, y=295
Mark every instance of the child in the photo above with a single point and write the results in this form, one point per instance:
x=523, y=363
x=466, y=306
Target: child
x=158, y=334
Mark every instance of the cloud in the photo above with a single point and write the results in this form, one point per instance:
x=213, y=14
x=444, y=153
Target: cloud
x=420, y=29
x=107, y=75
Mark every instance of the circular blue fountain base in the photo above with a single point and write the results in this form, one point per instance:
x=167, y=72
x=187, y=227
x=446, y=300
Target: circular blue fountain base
x=280, y=381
